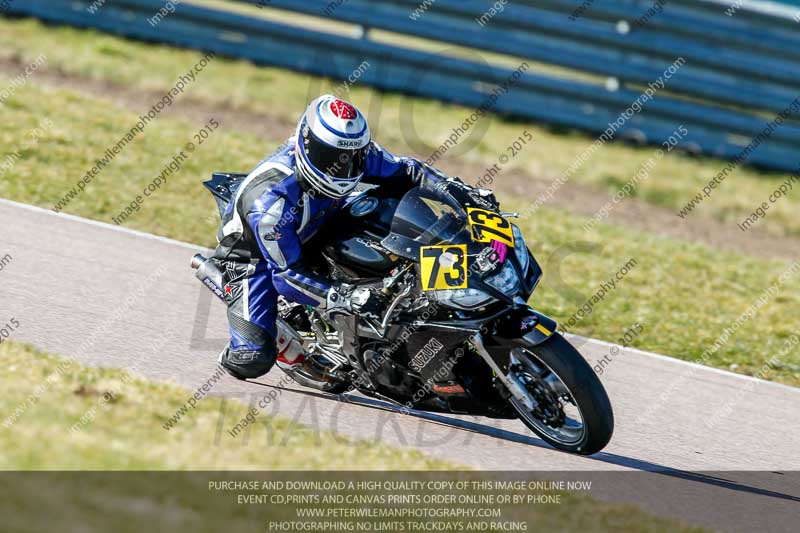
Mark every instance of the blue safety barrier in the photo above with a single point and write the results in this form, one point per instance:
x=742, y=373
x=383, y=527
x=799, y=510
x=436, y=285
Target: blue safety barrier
x=724, y=77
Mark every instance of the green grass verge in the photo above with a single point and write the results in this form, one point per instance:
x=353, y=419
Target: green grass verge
x=123, y=432
x=672, y=183
x=119, y=418
x=685, y=295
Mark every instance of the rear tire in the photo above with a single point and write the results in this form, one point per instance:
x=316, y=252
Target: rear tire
x=585, y=388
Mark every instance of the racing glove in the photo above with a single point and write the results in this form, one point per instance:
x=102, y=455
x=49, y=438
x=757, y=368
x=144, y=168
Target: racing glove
x=470, y=195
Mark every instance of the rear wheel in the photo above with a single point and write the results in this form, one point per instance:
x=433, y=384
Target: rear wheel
x=571, y=410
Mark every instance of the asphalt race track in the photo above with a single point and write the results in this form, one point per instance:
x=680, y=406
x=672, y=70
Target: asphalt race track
x=717, y=449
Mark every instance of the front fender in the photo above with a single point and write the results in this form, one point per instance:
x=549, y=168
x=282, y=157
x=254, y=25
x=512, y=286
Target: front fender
x=521, y=325
x=537, y=327
x=526, y=324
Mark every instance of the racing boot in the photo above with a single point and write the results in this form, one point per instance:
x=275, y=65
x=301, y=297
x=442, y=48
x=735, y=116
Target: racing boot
x=291, y=355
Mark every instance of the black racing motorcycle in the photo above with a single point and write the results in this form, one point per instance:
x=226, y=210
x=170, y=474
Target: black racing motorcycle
x=456, y=334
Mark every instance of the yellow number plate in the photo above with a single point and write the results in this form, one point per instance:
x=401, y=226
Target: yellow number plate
x=488, y=226
x=443, y=267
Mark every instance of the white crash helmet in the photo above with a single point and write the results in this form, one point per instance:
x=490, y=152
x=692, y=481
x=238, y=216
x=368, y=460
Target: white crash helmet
x=332, y=142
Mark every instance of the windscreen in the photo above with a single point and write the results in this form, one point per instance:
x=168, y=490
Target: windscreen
x=422, y=218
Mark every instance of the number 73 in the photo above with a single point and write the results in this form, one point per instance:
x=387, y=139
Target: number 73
x=443, y=267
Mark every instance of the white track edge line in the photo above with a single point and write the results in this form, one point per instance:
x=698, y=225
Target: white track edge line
x=97, y=223
x=692, y=364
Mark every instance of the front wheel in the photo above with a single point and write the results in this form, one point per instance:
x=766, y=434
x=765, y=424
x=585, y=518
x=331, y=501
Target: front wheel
x=571, y=410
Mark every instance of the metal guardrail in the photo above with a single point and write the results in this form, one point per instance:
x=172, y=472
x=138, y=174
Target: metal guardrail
x=739, y=71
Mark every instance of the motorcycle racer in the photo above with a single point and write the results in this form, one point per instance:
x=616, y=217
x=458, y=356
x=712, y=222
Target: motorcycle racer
x=281, y=205
x=385, y=299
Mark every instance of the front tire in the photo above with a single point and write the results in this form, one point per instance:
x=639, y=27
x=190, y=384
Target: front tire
x=579, y=386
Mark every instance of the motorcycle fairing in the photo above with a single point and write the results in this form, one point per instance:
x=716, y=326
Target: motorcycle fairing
x=223, y=185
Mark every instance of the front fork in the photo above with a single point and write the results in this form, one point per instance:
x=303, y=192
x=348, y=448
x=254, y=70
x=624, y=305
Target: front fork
x=524, y=326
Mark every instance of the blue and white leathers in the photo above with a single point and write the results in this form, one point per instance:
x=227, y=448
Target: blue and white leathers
x=274, y=213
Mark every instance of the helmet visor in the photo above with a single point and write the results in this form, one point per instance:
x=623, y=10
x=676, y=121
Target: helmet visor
x=341, y=163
